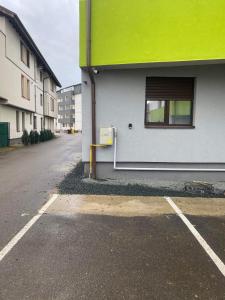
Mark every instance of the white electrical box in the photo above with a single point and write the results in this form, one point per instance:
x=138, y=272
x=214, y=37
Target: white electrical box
x=106, y=136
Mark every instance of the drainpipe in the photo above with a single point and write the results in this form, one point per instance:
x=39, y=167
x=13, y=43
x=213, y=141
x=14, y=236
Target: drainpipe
x=92, y=80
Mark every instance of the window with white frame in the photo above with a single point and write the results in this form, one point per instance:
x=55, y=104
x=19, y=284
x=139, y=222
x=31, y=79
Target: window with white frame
x=25, y=86
x=25, y=54
x=169, y=102
x=52, y=104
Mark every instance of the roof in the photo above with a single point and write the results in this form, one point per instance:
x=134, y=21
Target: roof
x=15, y=21
x=76, y=89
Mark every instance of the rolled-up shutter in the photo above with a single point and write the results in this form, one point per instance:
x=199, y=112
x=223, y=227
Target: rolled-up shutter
x=169, y=88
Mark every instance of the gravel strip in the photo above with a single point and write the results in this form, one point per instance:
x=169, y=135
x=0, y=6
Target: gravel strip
x=74, y=183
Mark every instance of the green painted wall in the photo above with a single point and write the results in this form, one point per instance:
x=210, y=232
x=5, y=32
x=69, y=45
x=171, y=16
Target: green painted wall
x=145, y=31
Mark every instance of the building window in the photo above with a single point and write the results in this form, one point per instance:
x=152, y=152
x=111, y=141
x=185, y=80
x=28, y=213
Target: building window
x=52, y=104
x=41, y=99
x=25, y=86
x=17, y=121
x=25, y=54
x=42, y=124
x=23, y=121
x=35, y=122
x=31, y=117
x=169, y=102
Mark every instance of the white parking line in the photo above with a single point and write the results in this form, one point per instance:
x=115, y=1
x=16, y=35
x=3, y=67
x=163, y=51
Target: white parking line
x=217, y=261
x=22, y=232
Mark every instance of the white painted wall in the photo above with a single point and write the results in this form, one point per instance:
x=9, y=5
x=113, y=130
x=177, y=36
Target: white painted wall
x=120, y=100
x=49, y=94
x=78, y=112
x=8, y=114
x=11, y=69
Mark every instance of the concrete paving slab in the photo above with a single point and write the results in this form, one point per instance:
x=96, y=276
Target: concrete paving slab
x=110, y=205
x=201, y=206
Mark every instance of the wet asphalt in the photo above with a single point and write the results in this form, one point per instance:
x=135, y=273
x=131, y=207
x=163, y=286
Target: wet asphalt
x=105, y=257
x=28, y=176
x=94, y=248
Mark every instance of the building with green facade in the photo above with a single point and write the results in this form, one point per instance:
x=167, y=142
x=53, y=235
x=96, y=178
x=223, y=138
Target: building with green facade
x=154, y=71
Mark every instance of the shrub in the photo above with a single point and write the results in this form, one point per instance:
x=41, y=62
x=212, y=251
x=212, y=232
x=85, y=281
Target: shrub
x=32, y=137
x=42, y=136
x=25, y=138
x=36, y=137
x=46, y=135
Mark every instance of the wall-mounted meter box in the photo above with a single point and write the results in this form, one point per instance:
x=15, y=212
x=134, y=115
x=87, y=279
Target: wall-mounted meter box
x=106, y=136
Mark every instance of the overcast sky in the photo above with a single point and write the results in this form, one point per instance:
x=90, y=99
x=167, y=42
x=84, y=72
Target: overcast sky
x=53, y=25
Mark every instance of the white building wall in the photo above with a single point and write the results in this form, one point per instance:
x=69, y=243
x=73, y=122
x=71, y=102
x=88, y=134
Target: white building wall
x=49, y=94
x=8, y=114
x=120, y=100
x=11, y=69
x=78, y=112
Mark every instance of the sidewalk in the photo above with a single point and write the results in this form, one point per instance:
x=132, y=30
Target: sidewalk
x=10, y=148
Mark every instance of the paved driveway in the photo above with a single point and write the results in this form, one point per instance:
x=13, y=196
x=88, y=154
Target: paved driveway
x=28, y=176
x=112, y=247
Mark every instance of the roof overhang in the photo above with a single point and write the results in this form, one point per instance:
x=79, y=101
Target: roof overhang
x=157, y=65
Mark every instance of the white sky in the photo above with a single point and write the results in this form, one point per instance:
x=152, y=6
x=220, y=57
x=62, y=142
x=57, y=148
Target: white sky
x=54, y=26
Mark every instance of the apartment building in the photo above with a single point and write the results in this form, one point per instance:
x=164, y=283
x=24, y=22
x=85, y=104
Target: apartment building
x=70, y=108
x=28, y=97
x=154, y=74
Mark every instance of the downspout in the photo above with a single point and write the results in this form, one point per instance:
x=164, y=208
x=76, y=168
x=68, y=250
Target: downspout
x=156, y=168
x=92, y=80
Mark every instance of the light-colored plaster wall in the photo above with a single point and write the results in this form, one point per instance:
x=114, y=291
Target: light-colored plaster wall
x=120, y=98
x=11, y=69
x=49, y=94
x=78, y=112
x=8, y=114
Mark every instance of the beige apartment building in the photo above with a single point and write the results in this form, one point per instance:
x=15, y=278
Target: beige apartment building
x=28, y=97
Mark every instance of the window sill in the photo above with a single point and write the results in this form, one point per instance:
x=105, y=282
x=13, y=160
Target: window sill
x=25, y=64
x=170, y=126
x=25, y=98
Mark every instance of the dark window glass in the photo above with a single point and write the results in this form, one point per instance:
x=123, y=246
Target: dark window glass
x=169, y=101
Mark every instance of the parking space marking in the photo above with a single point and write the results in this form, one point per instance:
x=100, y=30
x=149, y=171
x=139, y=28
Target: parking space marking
x=217, y=261
x=23, y=231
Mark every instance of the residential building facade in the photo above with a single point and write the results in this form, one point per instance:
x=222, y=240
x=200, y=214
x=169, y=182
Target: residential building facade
x=157, y=77
x=70, y=108
x=28, y=86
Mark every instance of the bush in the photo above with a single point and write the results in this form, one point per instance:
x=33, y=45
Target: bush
x=42, y=136
x=25, y=138
x=46, y=135
x=32, y=137
x=36, y=137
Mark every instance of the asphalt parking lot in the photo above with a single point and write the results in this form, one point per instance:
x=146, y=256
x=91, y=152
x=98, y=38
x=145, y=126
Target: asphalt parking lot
x=117, y=247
